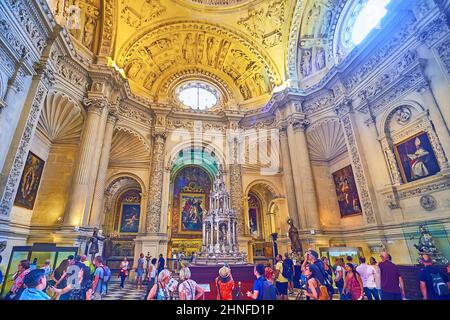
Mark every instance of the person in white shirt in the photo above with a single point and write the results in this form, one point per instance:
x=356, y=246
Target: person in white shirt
x=367, y=274
x=374, y=265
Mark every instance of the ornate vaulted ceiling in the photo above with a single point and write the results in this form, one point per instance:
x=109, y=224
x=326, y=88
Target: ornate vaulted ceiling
x=245, y=48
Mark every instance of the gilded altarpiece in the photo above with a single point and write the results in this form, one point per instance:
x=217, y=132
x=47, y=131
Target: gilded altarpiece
x=190, y=201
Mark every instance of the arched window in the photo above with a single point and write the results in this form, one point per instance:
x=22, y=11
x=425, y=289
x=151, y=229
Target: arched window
x=197, y=95
x=357, y=20
x=369, y=17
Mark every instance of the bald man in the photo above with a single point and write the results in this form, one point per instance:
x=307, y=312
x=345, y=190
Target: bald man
x=392, y=287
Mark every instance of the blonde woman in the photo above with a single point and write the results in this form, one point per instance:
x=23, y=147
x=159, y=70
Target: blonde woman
x=188, y=288
x=160, y=290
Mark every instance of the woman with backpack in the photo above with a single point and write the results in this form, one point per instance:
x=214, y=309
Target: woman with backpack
x=188, y=288
x=353, y=286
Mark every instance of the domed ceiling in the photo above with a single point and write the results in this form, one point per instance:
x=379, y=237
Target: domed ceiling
x=243, y=48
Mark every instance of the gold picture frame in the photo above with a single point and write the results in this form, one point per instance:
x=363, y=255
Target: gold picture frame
x=195, y=218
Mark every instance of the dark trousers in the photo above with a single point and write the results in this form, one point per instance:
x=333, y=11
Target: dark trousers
x=122, y=279
x=390, y=296
x=371, y=294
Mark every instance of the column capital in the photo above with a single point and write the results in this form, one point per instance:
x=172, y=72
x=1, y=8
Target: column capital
x=299, y=124
x=46, y=73
x=96, y=105
x=344, y=108
x=112, y=118
x=159, y=135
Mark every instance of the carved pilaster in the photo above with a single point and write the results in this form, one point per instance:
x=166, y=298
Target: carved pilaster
x=41, y=84
x=153, y=221
x=345, y=112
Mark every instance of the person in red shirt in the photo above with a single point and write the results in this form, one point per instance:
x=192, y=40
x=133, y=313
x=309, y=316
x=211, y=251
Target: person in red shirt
x=225, y=284
x=268, y=272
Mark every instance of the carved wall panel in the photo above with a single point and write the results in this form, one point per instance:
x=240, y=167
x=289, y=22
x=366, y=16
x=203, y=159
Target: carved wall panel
x=150, y=56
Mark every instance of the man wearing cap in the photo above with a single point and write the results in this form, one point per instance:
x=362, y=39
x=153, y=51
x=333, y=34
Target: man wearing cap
x=427, y=285
x=36, y=283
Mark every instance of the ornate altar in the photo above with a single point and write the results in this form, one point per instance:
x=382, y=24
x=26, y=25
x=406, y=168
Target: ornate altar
x=219, y=228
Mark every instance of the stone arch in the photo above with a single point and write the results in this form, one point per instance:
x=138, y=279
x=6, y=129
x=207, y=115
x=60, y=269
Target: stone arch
x=117, y=185
x=414, y=108
x=267, y=184
x=172, y=155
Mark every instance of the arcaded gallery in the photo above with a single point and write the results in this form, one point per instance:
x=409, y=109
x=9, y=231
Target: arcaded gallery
x=199, y=139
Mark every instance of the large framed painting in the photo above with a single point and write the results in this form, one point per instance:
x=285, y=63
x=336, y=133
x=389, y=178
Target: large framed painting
x=346, y=191
x=129, y=217
x=416, y=158
x=253, y=209
x=29, y=183
x=192, y=209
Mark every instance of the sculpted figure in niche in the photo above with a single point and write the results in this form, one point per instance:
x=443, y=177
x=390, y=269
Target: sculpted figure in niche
x=189, y=48
x=89, y=29
x=211, y=50
x=306, y=63
x=259, y=81
x=73, y=20
x=320, y=58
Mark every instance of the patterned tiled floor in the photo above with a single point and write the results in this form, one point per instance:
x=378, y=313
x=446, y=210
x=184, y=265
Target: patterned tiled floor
x=129, y=292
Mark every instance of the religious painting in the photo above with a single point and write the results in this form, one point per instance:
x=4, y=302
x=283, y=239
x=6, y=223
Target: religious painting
x=416, y=158
x=346, y=191
x=190, y=181
x=129, y=221
x=253, y=207
x=192, y=209
x=29, y=183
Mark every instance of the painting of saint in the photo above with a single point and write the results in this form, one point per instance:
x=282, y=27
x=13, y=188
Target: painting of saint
x=129, y=221
x=416, y=158
x=29, y=183
x=193, y=206
x=347, y=194
x=252, y=212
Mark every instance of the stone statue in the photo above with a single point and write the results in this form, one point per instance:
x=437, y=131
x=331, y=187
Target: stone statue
x=427, y=246
x=93, y=249
x=89, y=29
x=296, y=244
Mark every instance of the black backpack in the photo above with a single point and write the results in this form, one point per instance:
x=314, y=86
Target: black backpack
x=439, y=285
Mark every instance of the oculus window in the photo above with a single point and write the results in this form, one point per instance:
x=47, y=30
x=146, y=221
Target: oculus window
x=198, y=96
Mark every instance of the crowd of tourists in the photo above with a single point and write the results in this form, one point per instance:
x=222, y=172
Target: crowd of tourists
x=77, y=278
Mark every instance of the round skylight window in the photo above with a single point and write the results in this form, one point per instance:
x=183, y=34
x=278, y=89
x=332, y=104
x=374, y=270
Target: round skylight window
x=196, y=95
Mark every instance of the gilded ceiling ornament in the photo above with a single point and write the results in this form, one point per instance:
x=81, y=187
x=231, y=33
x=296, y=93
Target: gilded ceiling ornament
x=157, y=54
x=135, y=13
x=266, y=23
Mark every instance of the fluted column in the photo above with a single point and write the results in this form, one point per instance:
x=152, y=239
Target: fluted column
x=288, y=178
x=156, y=183
x=99, y=193
x=302, y=172
x=81, y=195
